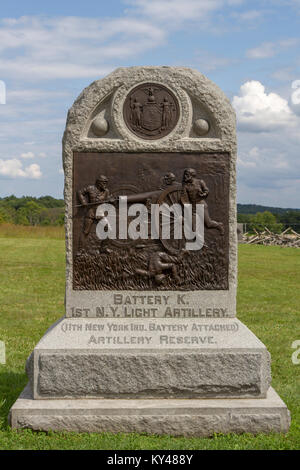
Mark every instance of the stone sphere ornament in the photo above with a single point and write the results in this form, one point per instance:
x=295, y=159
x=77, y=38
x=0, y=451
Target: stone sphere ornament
x=201, y=127
x=100, y=126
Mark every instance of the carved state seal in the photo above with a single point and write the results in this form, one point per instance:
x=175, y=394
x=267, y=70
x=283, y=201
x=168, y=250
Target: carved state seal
x=151, y=111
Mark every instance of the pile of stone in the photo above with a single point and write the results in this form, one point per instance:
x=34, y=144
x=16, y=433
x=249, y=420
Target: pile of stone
x=288, y=238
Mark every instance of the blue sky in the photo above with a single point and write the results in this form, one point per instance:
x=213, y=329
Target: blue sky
x=50, y=51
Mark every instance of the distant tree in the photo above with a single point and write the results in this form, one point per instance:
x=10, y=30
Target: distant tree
x=291, y=219
x=254, y=208
x=50, y=202
x=244, y=218
x=21, y=217
x=30, y=214
x=6, y=216
x=46, y=221
x=52, y=216
x=28, y=210
x=265, y=219
x=61, y=219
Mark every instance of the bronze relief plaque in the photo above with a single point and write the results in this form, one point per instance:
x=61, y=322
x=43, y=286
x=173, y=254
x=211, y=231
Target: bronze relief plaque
x=150, y=178
x=151, y=111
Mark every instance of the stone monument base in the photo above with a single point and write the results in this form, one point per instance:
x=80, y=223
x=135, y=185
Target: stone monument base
x=158, y=376
x=177, y=417
x=149, y=358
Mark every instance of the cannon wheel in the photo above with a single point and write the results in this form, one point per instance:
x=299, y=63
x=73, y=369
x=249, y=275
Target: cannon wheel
x=169, y=197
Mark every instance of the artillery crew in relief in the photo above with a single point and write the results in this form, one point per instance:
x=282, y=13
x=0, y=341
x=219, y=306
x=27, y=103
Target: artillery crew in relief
x=192, y=191
x=195, y=191
x=159, y=260
x=92, y=196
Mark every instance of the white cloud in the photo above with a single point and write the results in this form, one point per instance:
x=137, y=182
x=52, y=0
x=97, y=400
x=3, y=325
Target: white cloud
x=33, y=70
x=27, y=155
x=40, y=47
x=36, y=48
x=264, y=159
x=266, y=49
x=69, y=47
x=284, y=74
x=208, y=62
x=295, y=3
x=30, y=95
x=250, y=15
x=175, y=10
x=14, y=168
x=270, y=49
x=268, y=173
x=245, y=163
x=268, y=148
x=290, y=42
x=36, y=128
x=258, y=111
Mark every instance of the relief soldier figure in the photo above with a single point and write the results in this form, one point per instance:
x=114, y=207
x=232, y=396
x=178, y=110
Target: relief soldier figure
x=91, y=196
x=169, y=179
x=163, y=258
x=159, y=263
x=195, y=191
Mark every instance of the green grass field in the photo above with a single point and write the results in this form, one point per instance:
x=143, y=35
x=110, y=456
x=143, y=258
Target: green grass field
x=32, y=298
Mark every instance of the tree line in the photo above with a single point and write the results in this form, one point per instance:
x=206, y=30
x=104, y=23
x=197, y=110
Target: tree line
x=47, y=210
x=275, y=222
x=28, y=210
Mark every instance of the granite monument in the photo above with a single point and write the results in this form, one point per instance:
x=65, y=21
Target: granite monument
x=150, y=341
